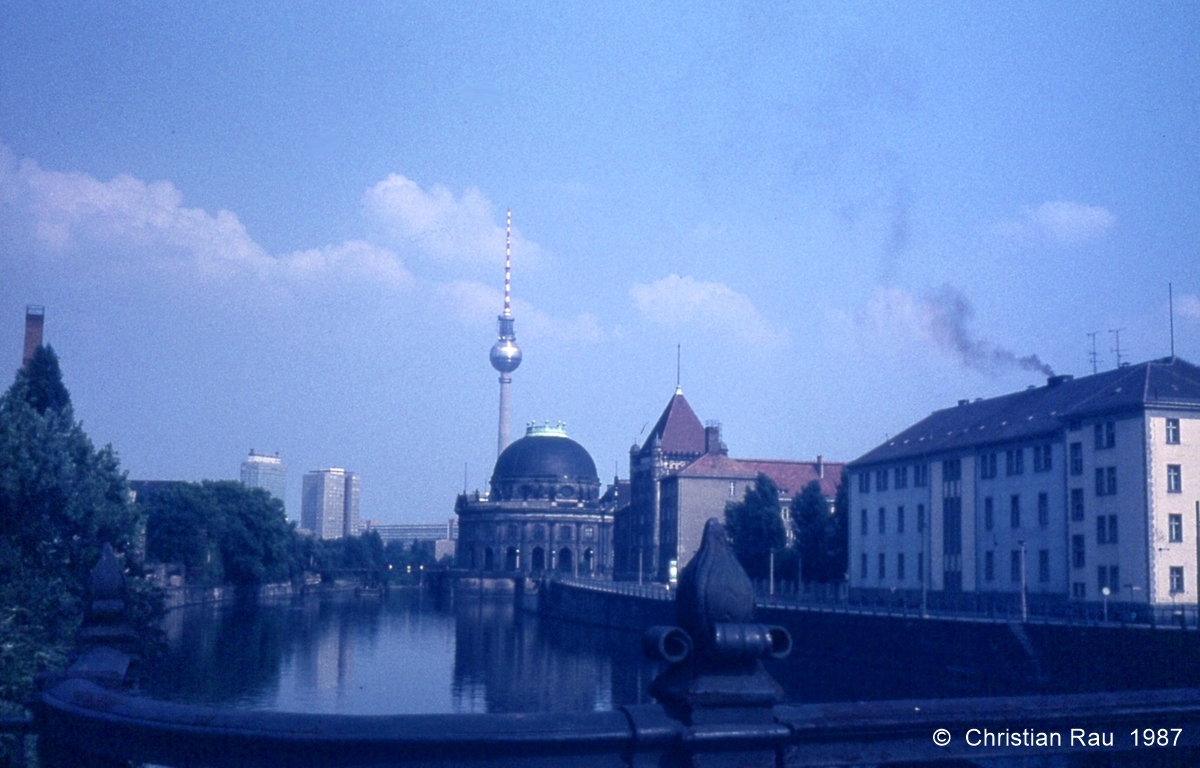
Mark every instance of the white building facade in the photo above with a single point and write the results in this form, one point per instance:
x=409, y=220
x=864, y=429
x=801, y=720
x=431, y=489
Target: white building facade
x=266, y=472
x=1083, y=490
x=329, y=503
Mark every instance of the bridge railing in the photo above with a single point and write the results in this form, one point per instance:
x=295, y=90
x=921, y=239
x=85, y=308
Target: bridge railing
x=716, y=706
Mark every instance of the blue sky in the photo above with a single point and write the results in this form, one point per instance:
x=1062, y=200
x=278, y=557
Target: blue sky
x=281, y=226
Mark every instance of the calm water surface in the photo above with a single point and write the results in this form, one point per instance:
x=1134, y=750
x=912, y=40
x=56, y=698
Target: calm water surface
x=399, y=654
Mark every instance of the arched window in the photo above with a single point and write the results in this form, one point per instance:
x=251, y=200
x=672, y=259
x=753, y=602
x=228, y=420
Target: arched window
x=565, y=560
x=539, y=559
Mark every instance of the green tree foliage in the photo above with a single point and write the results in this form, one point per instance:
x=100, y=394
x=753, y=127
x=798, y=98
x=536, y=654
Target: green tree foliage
x=755, y=526
x=222, y=531
x=61, y=499
x=820, y=535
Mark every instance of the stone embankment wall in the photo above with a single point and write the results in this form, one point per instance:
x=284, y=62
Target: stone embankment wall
x=178, y=597
x=609, y=609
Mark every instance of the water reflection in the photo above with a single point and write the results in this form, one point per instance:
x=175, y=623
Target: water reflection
x=398, y=654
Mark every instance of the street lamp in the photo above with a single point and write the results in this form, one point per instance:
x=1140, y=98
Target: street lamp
x=1024, y=591
x=1106, y=592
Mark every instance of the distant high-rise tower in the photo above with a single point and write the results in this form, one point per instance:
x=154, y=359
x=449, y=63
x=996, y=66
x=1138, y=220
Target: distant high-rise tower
x=329, y=503
x=35, y=317
x=266, y=472
x=505, y=355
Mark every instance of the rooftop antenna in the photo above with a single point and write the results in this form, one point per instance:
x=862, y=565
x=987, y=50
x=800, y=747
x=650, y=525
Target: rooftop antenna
x=1092, y=356
x=1116, y=332
x=1171, y=312
x=464, y=478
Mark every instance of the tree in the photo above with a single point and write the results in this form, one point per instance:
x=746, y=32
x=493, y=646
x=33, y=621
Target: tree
x=755, y=526
x=222, y=531
x=61, y=499
x=820, y=534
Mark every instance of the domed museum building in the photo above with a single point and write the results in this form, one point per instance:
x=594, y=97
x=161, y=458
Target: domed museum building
x=542, y=512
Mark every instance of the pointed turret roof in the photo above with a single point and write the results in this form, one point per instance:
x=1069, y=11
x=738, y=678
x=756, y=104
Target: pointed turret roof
x=677, y=431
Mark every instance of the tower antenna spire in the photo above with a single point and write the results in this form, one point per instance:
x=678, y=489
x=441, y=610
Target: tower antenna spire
x=508, y=264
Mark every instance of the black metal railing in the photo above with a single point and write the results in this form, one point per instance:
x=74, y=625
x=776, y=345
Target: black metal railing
x=716, y=706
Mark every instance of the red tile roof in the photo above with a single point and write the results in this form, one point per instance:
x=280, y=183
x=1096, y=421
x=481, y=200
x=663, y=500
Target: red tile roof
x=677, y=430
x=790, y=476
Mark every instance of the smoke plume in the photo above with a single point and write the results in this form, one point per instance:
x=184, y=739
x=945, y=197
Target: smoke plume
x=943, y=317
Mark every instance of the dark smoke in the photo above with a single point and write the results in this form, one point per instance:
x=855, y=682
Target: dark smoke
x=949, y=314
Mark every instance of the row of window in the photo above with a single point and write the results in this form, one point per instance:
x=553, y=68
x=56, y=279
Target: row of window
x=1014, y=461
x=1015, y=566
x=1014, y=511
x=881, y=569
x=900, y=515
x=897, y=477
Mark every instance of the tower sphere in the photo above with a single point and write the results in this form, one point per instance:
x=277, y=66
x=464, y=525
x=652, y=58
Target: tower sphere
x=505, y=356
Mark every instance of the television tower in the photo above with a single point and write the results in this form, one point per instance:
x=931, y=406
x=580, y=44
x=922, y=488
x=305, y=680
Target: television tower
x=505, y=355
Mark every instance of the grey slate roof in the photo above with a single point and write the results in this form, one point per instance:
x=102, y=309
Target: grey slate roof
x=1042, y=411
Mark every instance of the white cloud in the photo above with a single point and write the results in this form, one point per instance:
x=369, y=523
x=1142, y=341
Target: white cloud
x=461, y=230
x=148, y=224
x=1061, y=221
x=475, y=304
x=1188, y=306
x=676, y=301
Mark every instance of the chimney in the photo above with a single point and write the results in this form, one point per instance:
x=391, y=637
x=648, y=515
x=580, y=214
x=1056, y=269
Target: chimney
x=821, y=467
x=1054, y=381
x=712, y=438
x=35, y=316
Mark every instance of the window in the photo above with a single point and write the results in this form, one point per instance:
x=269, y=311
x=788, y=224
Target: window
x=900, y=566
x=1174, y=478
x=1078, y=590
x=920, y=475
x=564, y=532
x=882, y=566
x=732, y=489
x=900, y=519
x=1078, y=559
x=901, y=477
x=882, y=520
x=920, y=517
x=1014, y=565
x=1110, y=577
x=1076, y=503
x=1043, y=509
x=951, y=470
x=1043, y=566
x=1176, y=579
x=864, y=522
x=1014, y=511
x=1106, y=529
x=881, y=480
x=863, y=569
x=921, y=567
x=1175, y=528
x=864, y=483
x=589, y=532
x=1042, y=461
x=1172, y=431
x=1106, y=435
x=1076, y=458
x=989, y=513
x=1014, y=461
x=1106, y=481
x=987, y=466
x=989, y=566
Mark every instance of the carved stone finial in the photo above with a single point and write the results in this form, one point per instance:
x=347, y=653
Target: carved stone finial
x=107, y=587
x=713, y=588
x=716, y=656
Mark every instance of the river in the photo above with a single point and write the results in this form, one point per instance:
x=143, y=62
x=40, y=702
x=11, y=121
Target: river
x=397, y=654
